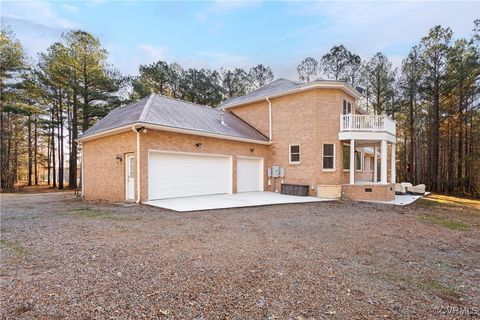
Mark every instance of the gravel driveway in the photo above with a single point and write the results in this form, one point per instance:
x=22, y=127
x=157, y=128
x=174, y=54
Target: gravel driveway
x=64, y=258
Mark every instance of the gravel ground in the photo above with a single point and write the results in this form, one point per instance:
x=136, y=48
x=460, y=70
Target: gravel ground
x=64, y=258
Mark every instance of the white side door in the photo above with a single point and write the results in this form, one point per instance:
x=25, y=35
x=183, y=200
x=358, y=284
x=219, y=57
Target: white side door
x=130, y=176
x=249, y=174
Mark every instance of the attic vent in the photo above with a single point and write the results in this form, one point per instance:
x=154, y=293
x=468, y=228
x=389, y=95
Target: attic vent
x=222, y=120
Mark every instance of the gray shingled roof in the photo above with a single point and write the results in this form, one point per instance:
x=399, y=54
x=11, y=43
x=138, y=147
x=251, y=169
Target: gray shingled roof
x=160, y=110
x=277, y=86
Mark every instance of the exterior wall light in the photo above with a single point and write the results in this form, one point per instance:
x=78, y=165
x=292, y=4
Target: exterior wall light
x=252, y=149
x=118, y=158
x=198, y=144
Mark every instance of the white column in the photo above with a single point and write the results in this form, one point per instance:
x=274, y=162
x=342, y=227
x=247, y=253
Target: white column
x=383, y=162
x=375, y=164
x=392, y=164
x=352, y=161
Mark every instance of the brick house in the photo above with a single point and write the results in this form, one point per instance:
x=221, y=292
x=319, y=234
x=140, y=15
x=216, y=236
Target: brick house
x=160, y=147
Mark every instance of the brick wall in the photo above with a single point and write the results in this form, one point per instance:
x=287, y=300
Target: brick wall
x=178, y=142
x=379, y=192
x=104, y=177
x=310, y=119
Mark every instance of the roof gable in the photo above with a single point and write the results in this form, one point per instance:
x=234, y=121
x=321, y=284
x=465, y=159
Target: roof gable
x=284, y=87
x=276, y=86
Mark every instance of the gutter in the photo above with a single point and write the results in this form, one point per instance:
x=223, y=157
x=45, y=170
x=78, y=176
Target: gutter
x=170, y=129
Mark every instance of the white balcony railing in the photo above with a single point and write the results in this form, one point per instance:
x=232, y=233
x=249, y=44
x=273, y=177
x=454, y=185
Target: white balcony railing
x=367, y=123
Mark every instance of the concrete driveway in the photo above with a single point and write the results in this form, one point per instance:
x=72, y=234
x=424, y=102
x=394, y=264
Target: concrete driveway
x=222, y=201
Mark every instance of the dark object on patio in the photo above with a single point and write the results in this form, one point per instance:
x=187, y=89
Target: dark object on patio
x=295, y=190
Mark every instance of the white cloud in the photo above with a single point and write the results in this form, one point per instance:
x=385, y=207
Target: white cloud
x=214, y=13
x=36, y=13
x=153, y=53
x=368, y=27
x=225, y=60
x=94, y=3
x=36, y=24
x=221, y=8
x=70, y=8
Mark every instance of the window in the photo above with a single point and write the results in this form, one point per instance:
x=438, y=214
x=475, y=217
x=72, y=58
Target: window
x=347, y=107
x=329, y=157
x=346, y=157
x=372, y=163
x=294, y=153
x=359, y=161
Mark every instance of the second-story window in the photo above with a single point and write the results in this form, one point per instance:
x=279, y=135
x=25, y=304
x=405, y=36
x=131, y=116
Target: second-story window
x=294, y=153
x=347, y=107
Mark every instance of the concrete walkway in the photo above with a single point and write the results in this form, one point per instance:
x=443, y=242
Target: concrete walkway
x=221, y=201
x=401, y=200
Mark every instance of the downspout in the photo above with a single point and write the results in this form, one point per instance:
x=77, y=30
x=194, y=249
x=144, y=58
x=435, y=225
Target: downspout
x=269, y=118
x=82, y=177
x=138, y=162
x=272, y=181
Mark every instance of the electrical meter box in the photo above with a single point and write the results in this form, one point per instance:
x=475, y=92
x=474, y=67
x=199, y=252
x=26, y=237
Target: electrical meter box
x=276, y=171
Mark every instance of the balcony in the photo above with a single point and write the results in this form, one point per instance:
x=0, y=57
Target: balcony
x=367, y=127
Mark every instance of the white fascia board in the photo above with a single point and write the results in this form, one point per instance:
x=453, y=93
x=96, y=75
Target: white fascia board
x=309, y=86
x=369, y=136
x=105, y=133
x=171, y=129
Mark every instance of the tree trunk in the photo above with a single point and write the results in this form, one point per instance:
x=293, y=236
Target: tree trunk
x=72, y=179
x=60, y=140
x=48, y=162
x=35, y=149
x=460, y=144
x=29, y=143
x=435, y=136
x=86, y=111
x=411, y=130
x=54, y=169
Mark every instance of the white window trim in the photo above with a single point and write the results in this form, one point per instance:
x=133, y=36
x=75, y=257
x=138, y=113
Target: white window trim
x=345, y=145
x=362, y=161
x=346, y=103
x=290, y=153
x=334, y=158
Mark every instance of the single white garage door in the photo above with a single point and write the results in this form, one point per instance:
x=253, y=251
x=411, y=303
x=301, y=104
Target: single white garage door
x=249, y=174
x=172, y=175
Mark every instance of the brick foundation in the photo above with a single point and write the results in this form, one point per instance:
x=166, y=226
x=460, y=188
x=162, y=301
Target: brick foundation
x=376, y=192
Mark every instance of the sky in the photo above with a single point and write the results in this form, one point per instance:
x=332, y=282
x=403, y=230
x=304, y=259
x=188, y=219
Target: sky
x=236, y=33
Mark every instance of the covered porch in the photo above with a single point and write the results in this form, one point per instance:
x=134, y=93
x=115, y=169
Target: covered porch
x=369, y=154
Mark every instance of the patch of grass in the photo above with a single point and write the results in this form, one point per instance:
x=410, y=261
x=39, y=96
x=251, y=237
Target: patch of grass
x=13, y=246
x=444, y=291
x=428, y=203
x=97, y=214
x=437, y=200
x=19, y=218
x=446, y=223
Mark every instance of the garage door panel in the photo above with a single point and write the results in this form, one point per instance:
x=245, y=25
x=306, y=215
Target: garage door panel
x=249, y=174
x=183, y=175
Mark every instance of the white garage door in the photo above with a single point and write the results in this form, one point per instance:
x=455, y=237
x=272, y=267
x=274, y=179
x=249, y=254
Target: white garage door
x=172, y=175
x=249, y=174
